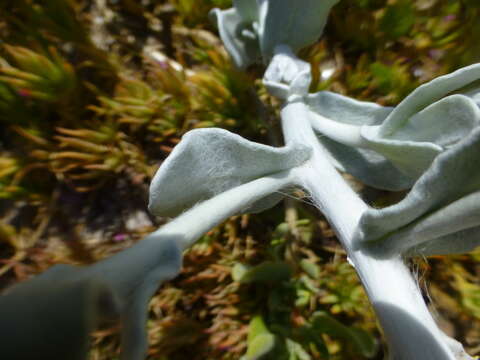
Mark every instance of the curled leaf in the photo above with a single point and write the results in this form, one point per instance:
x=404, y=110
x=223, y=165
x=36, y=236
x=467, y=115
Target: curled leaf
x=253, y=28
x=409, y=137
x=208, y=162
x=414, y=145
x=427, y=94
x=369, y=166
x=290, y=22
x=439, y=214
x=287, y=75
x=232, y=28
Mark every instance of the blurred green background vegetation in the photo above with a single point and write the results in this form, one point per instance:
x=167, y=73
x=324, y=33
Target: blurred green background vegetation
x=94, y=94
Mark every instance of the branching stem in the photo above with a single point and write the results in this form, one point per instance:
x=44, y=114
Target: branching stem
x=195, y=222
x=407, y=324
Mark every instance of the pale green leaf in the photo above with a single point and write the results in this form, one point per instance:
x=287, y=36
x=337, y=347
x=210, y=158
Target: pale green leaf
x=441, y=208
x=210, y=161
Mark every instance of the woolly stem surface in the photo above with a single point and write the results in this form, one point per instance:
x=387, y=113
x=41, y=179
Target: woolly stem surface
x=136, y=273
x=345, y=134
x=396, y=298
x=142, y=259
x=192, y=224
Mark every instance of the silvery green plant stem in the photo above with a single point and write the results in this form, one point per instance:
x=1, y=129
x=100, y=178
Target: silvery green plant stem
x=192, y=224
x=136, y=273
x=407, y=324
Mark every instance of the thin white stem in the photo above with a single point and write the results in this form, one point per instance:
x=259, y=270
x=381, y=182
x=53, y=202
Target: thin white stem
x=192, y=224
x=158, y=256
x=407, y=324
x=345, y=134
x=135, y=274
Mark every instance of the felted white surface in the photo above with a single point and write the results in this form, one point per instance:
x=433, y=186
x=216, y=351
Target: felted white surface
x=413, y=145
x=210, y=161
x=243, y=50
x=270, y=23
x=410, y=136
x=472, y=91
x=412, y=158
x=459, y=242
x=347, y=110
x=442, y=202
x=446, y=222
x=428, y=94
x=291, y=22
x=366, y=165
x=444, y=122
x=287, y=75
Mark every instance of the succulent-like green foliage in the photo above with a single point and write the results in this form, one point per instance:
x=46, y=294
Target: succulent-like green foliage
x=47, y=78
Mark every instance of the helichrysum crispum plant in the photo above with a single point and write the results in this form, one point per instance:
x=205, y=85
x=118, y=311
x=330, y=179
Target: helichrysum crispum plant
x=106, y=116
